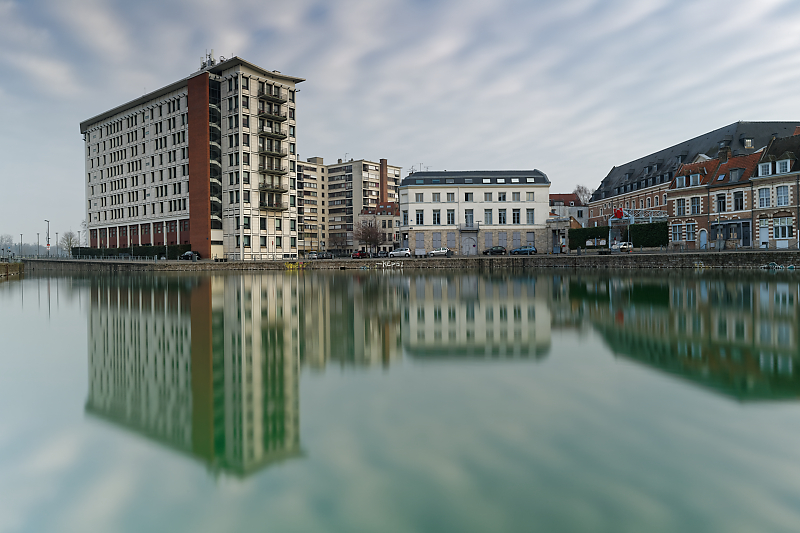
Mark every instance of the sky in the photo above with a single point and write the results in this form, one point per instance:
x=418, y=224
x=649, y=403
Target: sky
x=569, y=87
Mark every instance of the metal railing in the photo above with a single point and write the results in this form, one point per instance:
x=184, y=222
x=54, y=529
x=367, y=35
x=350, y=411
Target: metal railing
x=274, y=206
x=474, y=226
x=277, y=132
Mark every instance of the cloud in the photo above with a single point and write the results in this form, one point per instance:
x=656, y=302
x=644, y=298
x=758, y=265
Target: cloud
x=451, y=84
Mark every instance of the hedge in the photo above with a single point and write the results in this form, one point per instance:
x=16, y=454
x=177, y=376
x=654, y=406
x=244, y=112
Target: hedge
x=579, y=236
x=650, y=235
x=647, y=235
x=169, y=251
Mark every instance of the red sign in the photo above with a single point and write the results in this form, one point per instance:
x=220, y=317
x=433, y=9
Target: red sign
x=618, y=213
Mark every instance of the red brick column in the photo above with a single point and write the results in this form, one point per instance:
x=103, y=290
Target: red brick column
x=199, y=170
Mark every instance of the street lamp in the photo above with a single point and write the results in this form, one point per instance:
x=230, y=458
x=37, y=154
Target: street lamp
x=37, y=244
x=48, y=237
x=20, y=245
x=56, y=244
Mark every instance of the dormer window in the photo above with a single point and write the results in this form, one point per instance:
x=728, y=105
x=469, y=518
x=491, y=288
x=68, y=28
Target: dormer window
x=694, y=179
x=680, y=181
x=679, y=159
x=748, y=143
x=764, y=169
x=783, y=166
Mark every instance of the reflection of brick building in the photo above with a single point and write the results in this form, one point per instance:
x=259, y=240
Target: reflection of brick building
x=737, y=338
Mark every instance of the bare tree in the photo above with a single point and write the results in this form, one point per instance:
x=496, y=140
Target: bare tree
x=69, y=240
x=368, y=232
x=584, y=193
x=337, y=241
x=6, y=241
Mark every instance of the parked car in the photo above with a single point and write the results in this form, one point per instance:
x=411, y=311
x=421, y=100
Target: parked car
x=360, y=254
x=444, y=252
x=312, y=255
x=623, y=247
x=400, y=252
x=524, y=250
x=383, y=253
x=187, y=256
x=495, y=250
x=324, y=255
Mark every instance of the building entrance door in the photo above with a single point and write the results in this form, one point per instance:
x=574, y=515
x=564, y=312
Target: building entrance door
x=703, y=239
x=469, y=245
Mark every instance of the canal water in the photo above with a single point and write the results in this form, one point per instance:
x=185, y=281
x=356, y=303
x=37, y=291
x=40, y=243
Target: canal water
x=534, y=401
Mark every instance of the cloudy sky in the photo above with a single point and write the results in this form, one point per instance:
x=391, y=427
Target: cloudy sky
x=571, y=87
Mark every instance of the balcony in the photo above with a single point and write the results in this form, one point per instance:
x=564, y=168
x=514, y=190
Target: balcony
x=276, y=185
x=276, y=95
x=474, y=226
x=278, y=116
x=273, y=206
x=274, y=132
x=269, y=169
x=274, y=152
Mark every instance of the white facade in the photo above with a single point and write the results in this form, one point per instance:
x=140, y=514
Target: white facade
x=471, y=211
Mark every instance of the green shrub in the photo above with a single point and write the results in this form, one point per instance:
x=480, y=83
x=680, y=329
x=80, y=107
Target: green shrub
x=579, y=236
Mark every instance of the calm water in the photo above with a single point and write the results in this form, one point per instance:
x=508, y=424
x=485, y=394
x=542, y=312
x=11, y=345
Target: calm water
x=377, y=402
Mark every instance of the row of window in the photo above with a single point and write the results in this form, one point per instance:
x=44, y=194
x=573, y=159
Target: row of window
x=263, y=241
x=782, y=228
x=436, y=197
x=488, y=217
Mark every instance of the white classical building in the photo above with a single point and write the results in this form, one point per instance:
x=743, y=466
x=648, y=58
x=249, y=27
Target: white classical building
x=473, y=210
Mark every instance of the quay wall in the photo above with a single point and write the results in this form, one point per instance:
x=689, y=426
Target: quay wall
x=649, y=261
x=11, y=270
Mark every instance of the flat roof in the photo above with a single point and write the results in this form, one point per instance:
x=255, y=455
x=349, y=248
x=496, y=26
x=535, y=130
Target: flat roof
x=216, y=69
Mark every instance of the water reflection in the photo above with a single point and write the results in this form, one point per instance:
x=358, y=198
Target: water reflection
x=210, y=366
x=736, y=337
x=477, y=316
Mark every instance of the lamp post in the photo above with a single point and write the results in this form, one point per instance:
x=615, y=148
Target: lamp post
x=37, y=244
x=56, y=244
x=20, y=245
x=48, y=237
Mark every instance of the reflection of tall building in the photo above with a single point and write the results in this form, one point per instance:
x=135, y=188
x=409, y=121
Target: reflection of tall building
x=349, y=319
x=737, y=337
x=208, y=366
x=476, y=315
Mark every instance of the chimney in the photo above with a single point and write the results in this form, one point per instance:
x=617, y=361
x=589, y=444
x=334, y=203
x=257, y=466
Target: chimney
x=340, y=161
x=384, y=182
x=796, y=131
x=724, y=154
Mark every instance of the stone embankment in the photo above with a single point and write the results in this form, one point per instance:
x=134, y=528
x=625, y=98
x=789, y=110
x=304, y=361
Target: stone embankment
x=11, y=270
x=649, y=261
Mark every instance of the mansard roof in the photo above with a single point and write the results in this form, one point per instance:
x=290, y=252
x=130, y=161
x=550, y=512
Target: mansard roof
x=707, y=170
x=668, y=160
x=745, y=164
x=474, y=177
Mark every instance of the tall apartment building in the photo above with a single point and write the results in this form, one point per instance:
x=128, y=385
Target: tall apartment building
x=361, y=190
x=311, y=205
x=473, y=210
x=209, y=161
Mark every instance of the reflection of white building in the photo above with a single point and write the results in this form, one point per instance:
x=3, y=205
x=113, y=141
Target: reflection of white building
x=476, y=316
x=211, y=370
